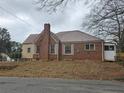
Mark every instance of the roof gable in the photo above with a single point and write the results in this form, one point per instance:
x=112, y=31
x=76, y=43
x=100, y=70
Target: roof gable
x=34, y=38
x=31, y=39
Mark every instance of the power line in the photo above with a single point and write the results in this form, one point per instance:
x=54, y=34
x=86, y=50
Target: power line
x=15, y=16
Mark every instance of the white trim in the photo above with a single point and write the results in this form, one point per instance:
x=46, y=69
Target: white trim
x=56, y=49
x=89, y=47
x=63, y=49
x=29, y=50
x=109, y=55
x=102, y=51
x=50, y=49
x=72, y=50
x=58, y=52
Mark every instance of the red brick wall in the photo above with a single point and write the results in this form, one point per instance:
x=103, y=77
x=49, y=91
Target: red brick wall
x=81, y=54
x=44, y=49
x=44, y=43
x=52, y=57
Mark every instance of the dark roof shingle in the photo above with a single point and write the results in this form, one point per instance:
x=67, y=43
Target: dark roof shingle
x=31, y=39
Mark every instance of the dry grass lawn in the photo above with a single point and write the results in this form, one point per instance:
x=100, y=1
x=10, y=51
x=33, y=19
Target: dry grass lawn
x=65, y=69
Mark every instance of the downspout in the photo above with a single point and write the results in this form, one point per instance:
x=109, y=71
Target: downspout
x=58, y=51
x=103, y=51
x=48, y=46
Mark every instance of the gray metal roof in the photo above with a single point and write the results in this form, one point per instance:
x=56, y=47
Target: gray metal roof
x=76, y=36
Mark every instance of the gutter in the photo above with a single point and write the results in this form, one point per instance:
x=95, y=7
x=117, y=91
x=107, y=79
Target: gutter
x=102, y=51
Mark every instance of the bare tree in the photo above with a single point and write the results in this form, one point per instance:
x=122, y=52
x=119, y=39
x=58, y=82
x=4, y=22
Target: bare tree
x=54, y=5
x=51, y=5
x=107, y=19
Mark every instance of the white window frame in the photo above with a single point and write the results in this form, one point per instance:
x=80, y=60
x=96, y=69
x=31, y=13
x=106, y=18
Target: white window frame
x=109, y=48
x=89, y=47
x=50, y=47
x=72, y=49
x=28, y=50
x=55, y=49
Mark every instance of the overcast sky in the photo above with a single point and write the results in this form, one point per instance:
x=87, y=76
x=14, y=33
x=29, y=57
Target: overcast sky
x=21, y=18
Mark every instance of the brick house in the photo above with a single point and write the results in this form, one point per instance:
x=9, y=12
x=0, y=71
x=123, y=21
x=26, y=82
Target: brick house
x=74, y=45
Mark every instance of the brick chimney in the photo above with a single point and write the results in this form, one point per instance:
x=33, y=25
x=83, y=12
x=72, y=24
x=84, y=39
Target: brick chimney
x=47, y=27
x=47, y=41
x=44, y=43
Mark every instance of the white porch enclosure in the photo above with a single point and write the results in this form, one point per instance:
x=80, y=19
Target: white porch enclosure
x=110, y=52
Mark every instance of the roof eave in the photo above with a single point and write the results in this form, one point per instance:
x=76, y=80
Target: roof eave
x=81, y=41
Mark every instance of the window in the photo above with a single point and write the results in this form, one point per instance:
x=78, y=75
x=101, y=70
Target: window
x=67, y=48
x=52, y=48
x=109, y=48
x=89, y=47
x=106, y=48
x=29, y=50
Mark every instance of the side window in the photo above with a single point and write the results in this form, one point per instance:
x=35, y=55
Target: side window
x=52, y=48
x=67, y=48
x=106, y=48
x=92, y=46
x=29, y=50
x=89, y=47
x=109, y=48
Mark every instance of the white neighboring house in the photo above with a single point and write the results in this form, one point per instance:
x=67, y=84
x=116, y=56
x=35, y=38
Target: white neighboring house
x=110, y=51
x=6, y=56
